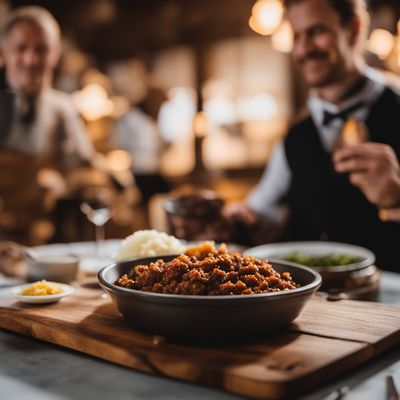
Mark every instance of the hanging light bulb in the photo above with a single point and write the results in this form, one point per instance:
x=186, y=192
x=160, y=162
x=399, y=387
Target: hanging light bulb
x=266, y=16
x=381, y=43
x=282, y=39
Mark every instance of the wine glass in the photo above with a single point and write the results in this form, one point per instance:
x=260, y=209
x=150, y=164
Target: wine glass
x=98, y=210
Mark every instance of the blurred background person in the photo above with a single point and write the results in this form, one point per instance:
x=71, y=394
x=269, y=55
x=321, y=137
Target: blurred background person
x=44, y=120
x=138, y=132
x=40, y=127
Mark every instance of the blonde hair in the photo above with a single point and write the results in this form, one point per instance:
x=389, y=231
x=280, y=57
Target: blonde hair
x=35, y=15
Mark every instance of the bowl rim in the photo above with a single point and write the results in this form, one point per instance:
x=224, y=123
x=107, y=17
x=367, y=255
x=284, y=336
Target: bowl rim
x=284, y=293
x=367, y=260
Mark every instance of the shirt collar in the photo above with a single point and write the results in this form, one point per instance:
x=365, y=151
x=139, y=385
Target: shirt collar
x=368, y=95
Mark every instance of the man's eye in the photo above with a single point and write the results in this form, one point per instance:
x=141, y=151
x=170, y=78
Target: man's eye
x=317, y=30
x=21, y=48
x=41, y=50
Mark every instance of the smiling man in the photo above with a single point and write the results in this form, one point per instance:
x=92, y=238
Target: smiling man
x=326, y=49
x=39, y=126
x=36, y=119
x=301, y=190
x=30, y=53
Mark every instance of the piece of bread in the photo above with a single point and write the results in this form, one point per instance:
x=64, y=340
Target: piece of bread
x=353, y=132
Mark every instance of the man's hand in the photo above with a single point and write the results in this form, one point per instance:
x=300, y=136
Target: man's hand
x=240, y=213
x=374, y=169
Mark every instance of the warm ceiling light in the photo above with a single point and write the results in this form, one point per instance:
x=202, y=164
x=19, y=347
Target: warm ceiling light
x=381, y=43
x=266, y=16
x=118, y=160
x=282, y=39
x=93, y=102
x=256, y=26
x=175, y=118
x=220, y=110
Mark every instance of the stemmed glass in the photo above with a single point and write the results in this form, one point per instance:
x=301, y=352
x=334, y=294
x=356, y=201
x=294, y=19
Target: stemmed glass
x=97, y=207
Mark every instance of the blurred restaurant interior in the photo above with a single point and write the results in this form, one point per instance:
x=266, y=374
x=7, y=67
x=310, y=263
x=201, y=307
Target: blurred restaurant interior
x=125, y=139
x=209, y=87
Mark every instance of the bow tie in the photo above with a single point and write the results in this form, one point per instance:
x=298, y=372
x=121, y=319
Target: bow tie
x=29, y=115
x=343, y=115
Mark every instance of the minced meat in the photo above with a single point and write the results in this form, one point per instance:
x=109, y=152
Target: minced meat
x=205, y=270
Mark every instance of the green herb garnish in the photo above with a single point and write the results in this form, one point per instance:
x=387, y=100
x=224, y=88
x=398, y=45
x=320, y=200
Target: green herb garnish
x=329, y=260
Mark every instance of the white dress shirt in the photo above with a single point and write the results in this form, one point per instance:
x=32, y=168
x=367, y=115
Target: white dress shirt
x=57, y=126
x=268, y=197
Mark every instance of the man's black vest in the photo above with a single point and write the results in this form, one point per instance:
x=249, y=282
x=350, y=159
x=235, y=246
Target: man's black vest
x=7, y=100
x=325, y=205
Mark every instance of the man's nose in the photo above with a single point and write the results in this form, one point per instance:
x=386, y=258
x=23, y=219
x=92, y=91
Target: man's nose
x=303, y=46
x=31, y=57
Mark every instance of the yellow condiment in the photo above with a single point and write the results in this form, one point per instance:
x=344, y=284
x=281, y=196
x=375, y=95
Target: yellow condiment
x=42, y=288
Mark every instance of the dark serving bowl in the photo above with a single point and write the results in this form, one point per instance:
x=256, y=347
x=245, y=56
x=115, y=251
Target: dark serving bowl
x=204, y=318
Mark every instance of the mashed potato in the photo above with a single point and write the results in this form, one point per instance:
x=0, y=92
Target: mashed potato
x=149, y=243
x=42, y=288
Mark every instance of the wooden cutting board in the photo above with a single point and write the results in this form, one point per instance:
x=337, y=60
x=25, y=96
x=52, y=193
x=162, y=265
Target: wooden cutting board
x=328, y=339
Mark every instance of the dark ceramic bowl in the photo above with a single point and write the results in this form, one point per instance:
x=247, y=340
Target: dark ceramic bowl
x=191, y=215
x=204, y=318
x=201, y=204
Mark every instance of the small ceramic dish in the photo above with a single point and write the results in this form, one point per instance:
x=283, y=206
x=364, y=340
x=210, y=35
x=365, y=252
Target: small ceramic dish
x=15, y=293
x=57, y=268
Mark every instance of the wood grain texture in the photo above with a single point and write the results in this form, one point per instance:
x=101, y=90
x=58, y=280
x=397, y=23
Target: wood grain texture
x=328, y=339
x=351, y=320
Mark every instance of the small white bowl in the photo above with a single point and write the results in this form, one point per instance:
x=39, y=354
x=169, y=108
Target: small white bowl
x=56, y=268
x=51, y=298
